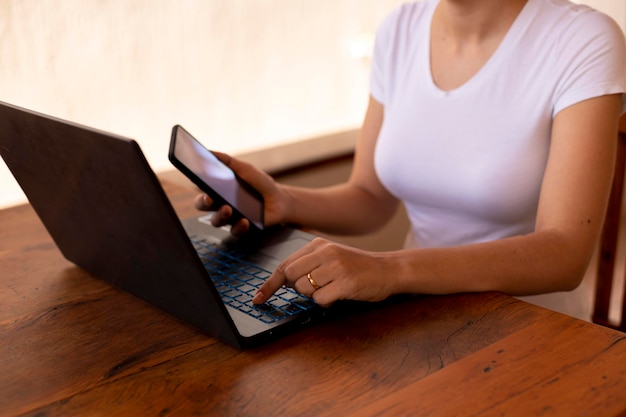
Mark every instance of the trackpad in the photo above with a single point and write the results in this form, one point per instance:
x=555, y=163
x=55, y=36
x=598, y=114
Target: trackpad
x=268, y=257
x=282, y=250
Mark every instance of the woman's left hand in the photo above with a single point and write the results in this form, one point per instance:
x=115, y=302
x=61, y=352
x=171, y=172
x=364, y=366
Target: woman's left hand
x=328, y=271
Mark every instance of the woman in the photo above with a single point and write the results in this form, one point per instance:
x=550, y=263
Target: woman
x=494, y=123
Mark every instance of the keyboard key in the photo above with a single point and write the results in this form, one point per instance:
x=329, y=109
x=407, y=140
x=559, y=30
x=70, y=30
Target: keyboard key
x=247, y=288
x=278, y=314
x=267, y=319
x=292, y=309
x=255, y=282
x=237, y=280
x=287, y=295
x=278, y=303
x=243, y=298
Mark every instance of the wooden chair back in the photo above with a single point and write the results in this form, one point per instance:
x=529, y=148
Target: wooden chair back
x=608, y=243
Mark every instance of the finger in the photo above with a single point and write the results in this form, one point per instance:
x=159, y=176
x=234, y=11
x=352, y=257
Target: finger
x=203, y=202
x=279, y=278
x=244, y=170
x=307, y=285
x=225, y=158
x=325, y=296
x=294, y=267
x=221, y=216
x=237, y=165
x=269, y=287
x=240, y=228
x=300, y=263
x=330, y=293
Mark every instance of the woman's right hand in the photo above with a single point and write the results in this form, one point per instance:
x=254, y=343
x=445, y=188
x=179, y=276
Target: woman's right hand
x=274, y=198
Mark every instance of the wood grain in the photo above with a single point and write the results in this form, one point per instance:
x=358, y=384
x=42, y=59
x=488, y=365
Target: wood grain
x=554, y=367
x=324, y=370
x=73, y=345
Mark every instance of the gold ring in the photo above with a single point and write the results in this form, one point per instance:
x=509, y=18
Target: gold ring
x=314, y=284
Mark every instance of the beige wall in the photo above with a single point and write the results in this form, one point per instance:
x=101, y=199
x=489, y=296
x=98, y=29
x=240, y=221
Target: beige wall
x=239, y=74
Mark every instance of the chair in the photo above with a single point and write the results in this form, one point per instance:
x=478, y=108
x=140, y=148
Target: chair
x=608, y=242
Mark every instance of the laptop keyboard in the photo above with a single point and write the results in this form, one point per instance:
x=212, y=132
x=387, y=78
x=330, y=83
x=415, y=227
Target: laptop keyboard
x=237, y=281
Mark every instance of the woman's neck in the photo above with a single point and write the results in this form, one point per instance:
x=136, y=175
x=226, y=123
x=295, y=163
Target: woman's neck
x=475, y=21
x=465, y=34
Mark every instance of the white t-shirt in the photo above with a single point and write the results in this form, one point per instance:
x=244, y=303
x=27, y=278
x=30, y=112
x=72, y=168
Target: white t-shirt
x=468, y=163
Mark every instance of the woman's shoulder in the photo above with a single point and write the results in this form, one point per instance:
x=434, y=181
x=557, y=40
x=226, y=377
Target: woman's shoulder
x=570, y=31
x=583, y=48
x=568, y=18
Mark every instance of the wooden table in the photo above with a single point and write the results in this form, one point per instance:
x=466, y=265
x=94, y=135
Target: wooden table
x=72, y=345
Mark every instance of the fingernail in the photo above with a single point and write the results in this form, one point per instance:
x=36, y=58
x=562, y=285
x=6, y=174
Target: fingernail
x=257, y=297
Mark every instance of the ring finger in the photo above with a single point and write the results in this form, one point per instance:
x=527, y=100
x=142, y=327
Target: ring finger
x=308, y=284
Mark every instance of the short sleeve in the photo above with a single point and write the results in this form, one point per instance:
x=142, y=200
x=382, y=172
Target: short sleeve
x=592, y=55
x=380, y=56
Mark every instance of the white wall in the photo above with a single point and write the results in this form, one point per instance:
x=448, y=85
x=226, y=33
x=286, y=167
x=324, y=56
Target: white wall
x=239, y=74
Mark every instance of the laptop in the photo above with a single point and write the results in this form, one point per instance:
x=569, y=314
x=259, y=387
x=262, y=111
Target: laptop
x=107, y=212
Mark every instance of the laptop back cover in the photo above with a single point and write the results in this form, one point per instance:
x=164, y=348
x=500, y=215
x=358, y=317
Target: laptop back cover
x=107, y=213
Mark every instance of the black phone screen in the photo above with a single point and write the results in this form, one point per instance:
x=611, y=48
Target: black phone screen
x=214, y=177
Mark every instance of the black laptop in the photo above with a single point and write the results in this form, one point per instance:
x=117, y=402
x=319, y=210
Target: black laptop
x=107, y=212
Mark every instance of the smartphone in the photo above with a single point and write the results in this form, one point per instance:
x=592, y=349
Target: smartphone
x=215, y=178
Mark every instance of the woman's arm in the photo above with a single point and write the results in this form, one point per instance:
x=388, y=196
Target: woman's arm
x=571, y=210
x=360, y=205
x=554, y=257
